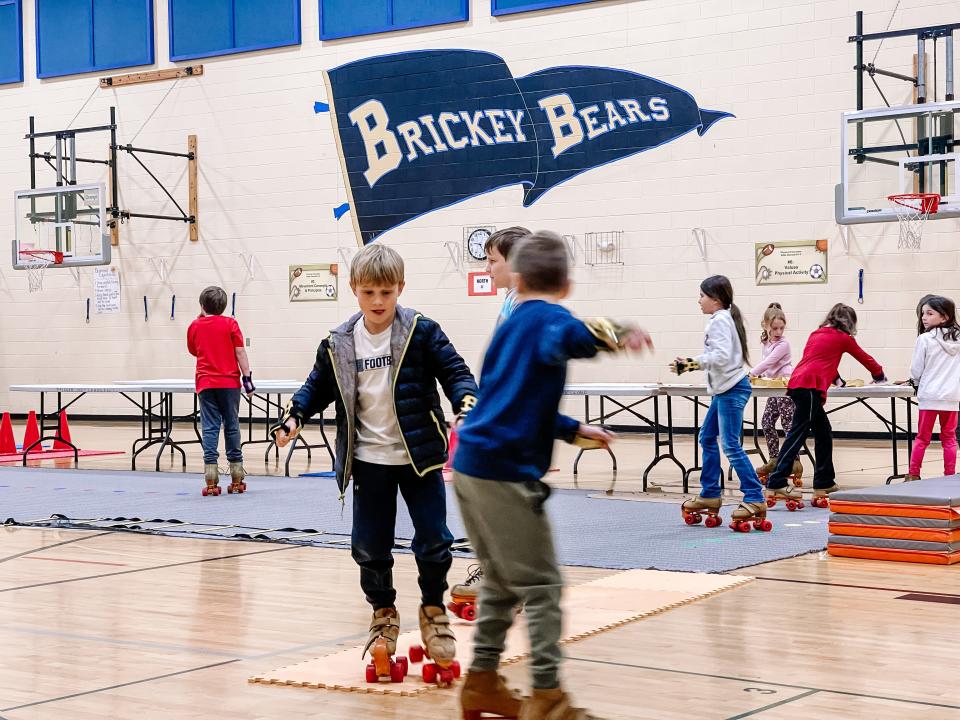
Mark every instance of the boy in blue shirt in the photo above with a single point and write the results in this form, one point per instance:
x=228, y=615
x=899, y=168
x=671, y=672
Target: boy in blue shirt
x=505, y=448
x=498, y=248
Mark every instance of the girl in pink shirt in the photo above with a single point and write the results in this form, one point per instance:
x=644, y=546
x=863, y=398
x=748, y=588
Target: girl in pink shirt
x=775, y=363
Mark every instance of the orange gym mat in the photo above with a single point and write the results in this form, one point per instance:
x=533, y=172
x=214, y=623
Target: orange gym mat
x=925, y=534
x=589, y=609
x=894, y=554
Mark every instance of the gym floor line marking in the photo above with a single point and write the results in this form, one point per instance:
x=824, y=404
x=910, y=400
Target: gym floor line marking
x=785, y=701
x=115, y=687
x=857, y=587
x=152, y=567
x=929, y=597
x=47, y=547
x=757, y=681
x=84, y=562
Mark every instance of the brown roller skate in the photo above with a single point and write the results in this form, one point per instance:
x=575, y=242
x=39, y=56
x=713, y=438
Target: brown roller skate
x=790, y=495
x=211, y=474
x=552, y=705
x=694, y=510
x=797, y=475
x=763, y=472
x=820, y=496
x=463, y=596
x=485, y=694
x=237, y=475
x=439, y=645
x=748, y=514
x=382, y=645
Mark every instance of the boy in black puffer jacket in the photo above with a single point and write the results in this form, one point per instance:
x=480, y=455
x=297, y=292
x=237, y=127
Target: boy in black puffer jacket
x=380, y=369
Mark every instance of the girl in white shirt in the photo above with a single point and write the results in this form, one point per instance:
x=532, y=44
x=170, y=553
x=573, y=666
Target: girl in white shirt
x=935, y=372
x=724, y=354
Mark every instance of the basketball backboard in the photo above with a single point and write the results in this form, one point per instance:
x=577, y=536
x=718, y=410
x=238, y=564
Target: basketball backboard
x=67, y=223
x=888, y=151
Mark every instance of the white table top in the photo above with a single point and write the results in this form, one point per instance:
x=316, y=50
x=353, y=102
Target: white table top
x=613, y=389
x=867, y=391
x=169, y=385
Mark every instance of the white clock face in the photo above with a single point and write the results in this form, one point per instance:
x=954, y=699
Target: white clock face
x=478, y=238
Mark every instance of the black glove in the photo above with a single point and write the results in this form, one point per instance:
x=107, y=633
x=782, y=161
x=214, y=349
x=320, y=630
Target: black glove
x=248, y=387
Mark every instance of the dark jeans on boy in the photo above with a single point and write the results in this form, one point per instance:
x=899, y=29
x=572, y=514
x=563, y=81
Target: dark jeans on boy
x=374, y=518
x=809, y=415
x=220, y=407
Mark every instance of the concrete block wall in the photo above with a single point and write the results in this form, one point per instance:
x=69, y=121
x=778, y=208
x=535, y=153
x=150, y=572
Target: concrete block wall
x=270, y=177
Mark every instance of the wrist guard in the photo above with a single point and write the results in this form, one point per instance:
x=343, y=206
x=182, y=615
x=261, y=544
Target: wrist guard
x=685, y=365
x=882, y=378
x=609, y=333
x=586, y=443
x=248, y=387
x=466, y=405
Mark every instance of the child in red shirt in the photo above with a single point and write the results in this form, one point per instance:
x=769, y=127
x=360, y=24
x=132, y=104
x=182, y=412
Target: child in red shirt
x=808, y=385
x=217, y=343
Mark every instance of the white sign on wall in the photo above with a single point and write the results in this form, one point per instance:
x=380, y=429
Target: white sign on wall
x=802, y=262
x=106, y=290
x=312, y=283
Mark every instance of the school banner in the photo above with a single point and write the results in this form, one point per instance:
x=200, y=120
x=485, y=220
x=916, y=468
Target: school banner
x=422, y=130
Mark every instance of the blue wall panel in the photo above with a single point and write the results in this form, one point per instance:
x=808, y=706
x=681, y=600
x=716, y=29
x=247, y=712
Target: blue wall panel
x=506, y=7
x=79, y=36
x=11, y=42
x=349, y=18
x=203, y=28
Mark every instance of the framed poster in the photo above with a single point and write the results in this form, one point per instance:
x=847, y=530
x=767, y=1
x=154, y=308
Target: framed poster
x=313, y=283
x=799, y=262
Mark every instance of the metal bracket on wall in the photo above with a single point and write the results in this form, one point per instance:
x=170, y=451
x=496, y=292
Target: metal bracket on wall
x=455, y=250
x=160, y=268
x=345, y=254
x=248, y=262
x=700, y=237
x=571, y=241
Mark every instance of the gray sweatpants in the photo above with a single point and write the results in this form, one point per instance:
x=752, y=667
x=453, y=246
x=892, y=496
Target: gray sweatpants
x=511, y=535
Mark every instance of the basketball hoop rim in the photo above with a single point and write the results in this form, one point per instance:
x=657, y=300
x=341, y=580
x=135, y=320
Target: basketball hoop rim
x=929, y=202
x=55, y=257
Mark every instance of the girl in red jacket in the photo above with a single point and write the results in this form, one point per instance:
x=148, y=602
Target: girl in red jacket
x=816, y=372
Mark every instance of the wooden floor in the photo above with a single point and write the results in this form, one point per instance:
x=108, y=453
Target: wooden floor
x=108, y=625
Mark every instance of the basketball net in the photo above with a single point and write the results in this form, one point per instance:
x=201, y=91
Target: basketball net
x=912, y=210
x=35, y=268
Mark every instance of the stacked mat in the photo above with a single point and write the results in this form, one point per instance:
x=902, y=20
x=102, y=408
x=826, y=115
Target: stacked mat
x=910, y=522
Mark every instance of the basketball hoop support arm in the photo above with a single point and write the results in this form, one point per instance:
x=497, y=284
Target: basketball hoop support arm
x=66, y=155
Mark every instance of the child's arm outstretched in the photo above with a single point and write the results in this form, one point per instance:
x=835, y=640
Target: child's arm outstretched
x=776, y=358
x=451, y=371
x=313, y=396
x=865, y=359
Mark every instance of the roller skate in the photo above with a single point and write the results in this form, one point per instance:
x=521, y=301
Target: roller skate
x=820, y=496
x=485, y=694
x=694, y=510
x=789, y=494
x=748, y=514
x=763, y=472
x=237, y=474
x=211, y=474
x=439, y=645
x=463, y=596
x=553, y=704
x=382, y=645
x=911, y=478
x=797, y=475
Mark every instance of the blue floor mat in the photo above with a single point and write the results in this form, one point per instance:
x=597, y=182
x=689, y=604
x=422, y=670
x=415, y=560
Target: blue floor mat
x=590, y=532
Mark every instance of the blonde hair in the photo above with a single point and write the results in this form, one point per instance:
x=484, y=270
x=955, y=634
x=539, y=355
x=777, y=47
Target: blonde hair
x=773, y=312
x=376, y=264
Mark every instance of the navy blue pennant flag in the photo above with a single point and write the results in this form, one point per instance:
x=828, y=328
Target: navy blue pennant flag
x=419, y=131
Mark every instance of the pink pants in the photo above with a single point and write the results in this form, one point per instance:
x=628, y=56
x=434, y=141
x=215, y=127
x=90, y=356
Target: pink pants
x=948, y=438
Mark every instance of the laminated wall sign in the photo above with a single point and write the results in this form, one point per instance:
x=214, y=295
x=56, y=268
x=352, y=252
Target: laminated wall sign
x=313, y=283
x=801, y=262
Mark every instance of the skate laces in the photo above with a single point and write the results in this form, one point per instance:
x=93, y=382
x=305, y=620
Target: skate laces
x=474, y=574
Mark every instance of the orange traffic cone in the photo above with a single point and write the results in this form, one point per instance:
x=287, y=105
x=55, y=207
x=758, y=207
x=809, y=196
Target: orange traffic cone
x=32, y=435
x=8, y=443
x=63, y=437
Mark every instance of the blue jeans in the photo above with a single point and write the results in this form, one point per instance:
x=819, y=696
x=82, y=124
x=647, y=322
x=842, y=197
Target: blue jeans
x=220, y=407
x=724, y=419
x=374, y=520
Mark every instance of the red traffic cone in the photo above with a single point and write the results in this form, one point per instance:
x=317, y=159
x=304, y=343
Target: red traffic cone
x=451, y=448
x=32, y=435
x=8, y=443
x=63, y=437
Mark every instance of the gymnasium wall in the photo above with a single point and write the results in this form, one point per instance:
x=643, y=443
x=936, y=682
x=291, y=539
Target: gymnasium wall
x=270, y=178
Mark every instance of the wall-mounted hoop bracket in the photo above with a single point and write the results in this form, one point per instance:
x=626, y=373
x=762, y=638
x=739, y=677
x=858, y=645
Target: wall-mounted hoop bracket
x=455, y=250
x=345, y=255
x=159, y=266
x=249, y=261
x=700, y=237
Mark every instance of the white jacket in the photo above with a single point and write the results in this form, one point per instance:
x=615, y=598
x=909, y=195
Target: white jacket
x=722, y=355
x=935, y=370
